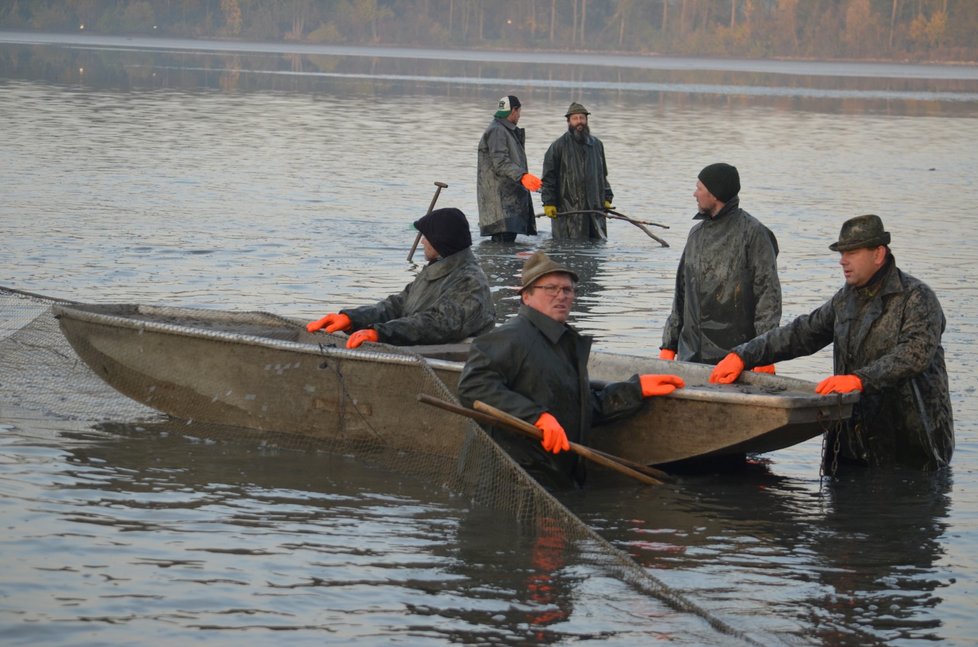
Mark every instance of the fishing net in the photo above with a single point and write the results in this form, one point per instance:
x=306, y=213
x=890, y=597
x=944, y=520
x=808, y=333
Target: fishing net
x=42, y=374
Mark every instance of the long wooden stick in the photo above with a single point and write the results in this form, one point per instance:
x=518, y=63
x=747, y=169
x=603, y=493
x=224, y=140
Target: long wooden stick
x=431, y=207
x=490, y=415
x=489, y=419
x=614, y=215
x=601, y=458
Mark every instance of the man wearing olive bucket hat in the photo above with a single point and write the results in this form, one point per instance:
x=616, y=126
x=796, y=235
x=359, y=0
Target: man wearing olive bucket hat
x=575, y=178
x=534, y=367
x=886, y=329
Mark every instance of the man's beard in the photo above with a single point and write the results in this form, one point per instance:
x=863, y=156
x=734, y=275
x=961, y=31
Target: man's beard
x=580, y=133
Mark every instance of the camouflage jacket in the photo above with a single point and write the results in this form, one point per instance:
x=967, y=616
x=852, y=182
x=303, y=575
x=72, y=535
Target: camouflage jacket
x=890, y=336
x=727, y=287
x=504, y=203
x=448, y=301
x=532, y=364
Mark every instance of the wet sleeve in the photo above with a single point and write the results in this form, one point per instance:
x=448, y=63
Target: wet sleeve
x=550, y=191
x=493, y=365
x=390, y=308
x=502, y=162
x=805, y=335
x=674, y=323
x=463, y=309
x=767, y=286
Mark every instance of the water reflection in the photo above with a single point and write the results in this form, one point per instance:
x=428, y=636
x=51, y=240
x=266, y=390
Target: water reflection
x=503, y=264
x=816, y=557
x=139, y=179
x=175, y=64
x=877, y=574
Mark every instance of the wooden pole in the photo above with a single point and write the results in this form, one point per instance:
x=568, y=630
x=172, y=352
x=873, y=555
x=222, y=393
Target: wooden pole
x=491, y=415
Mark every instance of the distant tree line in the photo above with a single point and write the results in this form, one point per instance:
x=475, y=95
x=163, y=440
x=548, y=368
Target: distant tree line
x=919, y=30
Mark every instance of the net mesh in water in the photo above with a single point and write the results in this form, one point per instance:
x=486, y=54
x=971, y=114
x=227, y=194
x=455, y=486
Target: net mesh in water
x=349, y=402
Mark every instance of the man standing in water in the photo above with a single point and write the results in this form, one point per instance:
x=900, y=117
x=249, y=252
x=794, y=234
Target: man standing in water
x=575, y=178
x=535, y=367
x=447, y=302
x=504, y=183
x=885, y=327
x=727, y=287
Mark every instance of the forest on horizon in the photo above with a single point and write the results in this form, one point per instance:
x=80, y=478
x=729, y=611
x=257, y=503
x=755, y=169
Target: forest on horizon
x=892, y=30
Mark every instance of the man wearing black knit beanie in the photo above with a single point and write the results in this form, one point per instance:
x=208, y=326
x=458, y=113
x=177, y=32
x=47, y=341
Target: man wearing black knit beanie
x=727, y=287
x=448, y=301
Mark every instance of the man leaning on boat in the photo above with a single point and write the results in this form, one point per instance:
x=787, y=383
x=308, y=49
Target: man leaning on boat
x=534, y=367
x=447, y=302
x=885, y=327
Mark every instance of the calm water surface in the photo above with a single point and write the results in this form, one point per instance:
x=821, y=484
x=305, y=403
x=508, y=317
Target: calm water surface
x=286, y=182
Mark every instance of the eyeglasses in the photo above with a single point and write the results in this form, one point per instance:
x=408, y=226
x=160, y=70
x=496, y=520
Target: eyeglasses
x=554, y=290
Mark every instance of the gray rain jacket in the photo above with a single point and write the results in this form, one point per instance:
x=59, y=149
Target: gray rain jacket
x=889, y=336
x=504, y=204
x=575, y=178
x=448, y=301
x=532, y=364
x=727, y=287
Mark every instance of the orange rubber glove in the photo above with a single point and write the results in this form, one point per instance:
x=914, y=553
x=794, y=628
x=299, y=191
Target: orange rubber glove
x=665, y=353
x=360, y=336
x=764, y=369
x=727, y=370
x=839, y=384
x=659, y=384
x=554, y=438
x=332, y=322
x=550, y=211
x=531, y=182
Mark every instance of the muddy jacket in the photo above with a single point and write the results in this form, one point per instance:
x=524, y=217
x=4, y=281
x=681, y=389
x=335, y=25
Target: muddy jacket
x=448, y=301
x=575, y=178
x=504, y=204
x=727, y=287
x=533, y=364
x=891, y=338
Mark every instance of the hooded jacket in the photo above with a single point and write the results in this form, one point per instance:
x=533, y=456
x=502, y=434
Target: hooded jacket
x=727, y=287
x=504, y=203
x=447, y=302
x=890, y=336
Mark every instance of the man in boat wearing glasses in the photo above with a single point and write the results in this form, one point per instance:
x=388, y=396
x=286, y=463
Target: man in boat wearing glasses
x=534, y=367
x=885, y=327
x=447, y=302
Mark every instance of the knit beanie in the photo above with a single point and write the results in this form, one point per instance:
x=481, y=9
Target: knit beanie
x=446, y=229
x=722, y=180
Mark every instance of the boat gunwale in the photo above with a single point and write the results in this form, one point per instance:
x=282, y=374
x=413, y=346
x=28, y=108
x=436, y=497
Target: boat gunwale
x=319, y=350
x=708, y=393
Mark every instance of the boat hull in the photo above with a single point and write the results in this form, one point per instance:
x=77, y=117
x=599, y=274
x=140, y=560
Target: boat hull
x=264, y=372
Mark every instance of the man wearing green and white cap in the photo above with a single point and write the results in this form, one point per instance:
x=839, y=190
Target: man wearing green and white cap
x=504, y=183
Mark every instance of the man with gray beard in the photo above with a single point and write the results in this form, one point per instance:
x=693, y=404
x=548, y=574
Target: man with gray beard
x=575, y=178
